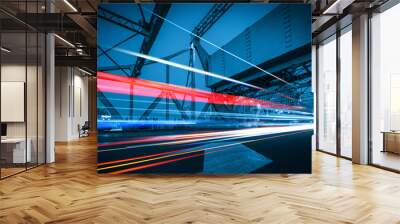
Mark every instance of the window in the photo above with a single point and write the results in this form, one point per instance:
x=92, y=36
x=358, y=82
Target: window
x=327, y=95
x=385, y=88
x=346, y=92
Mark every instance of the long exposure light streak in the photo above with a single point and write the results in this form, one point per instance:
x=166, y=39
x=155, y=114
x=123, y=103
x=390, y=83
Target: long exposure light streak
x=247, y=109
x=185, y=67
x=292, y=112
x=231, y=115
x=175, y=153
x=137, y=158
x=122, y=85
x=180, y=150
x=231, y=135
x=156, y=164
x=218, y=47
x=187, y=141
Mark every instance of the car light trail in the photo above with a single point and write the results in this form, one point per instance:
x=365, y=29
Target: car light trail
x=123, y=85
x=190, y=138
x=226, y=114
x=187, y=68
x=175, y=153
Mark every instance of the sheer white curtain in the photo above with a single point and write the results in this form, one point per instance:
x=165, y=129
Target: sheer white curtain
x=346, y=93
x=327, y=96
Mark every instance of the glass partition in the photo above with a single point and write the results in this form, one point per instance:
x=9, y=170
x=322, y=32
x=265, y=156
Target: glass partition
x=385, y=89
x=22, y=88
x=14, y=153
x=327, y=95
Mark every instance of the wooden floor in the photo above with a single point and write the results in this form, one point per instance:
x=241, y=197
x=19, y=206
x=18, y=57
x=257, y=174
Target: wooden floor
x=5, y=172
x=387, y=159
x=70, y=191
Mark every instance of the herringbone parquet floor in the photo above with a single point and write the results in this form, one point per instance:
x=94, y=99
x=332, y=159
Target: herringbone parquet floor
x=70, y=191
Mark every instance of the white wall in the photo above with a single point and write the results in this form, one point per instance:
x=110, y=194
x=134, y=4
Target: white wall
x=71, y=102
x=62, y=83
x=33, y=127
x=16, y=73
x=12, y=73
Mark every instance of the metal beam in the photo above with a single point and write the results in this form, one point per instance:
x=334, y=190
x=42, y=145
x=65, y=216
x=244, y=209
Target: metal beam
x=337, y=7
x=202, y=53
x=16, y=19
x=155, y=102
x=82, y=61
x=86, y=26
x=178, y=106
x=121, y=21
x=103, y=99
x=275, y=65
x=114, y=68
x=204, y=111
x=91, y=5
x=113, y=61
x=167, y=80
x=152, y=106
x=118, y=44
x=50, y=22
x=141, y=13
x=213, y=15
x=154, y=28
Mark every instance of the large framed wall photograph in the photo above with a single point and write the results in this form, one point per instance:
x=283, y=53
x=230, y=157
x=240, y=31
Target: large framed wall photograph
x=211, y=88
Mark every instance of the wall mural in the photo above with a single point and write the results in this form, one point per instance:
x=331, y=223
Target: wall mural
x=204, y=88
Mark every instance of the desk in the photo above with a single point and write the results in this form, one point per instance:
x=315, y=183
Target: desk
x=15, y=148
x=391, y=141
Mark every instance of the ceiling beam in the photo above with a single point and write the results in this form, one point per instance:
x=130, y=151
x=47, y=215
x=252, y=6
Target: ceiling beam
x=81, y=61
x=86, y=27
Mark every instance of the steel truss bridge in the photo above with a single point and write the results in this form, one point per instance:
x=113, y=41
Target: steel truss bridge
x=299, y=73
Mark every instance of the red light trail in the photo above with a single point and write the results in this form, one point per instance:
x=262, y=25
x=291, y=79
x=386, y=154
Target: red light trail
x=182, y=154
x=123, y=85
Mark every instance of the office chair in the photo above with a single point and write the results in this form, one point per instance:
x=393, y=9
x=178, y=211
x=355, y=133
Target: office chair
x=84, y=130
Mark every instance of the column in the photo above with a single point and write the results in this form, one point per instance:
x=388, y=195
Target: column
x=360, y=89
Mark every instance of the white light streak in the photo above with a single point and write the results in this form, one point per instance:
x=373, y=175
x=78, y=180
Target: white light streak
x=184, y=67
x=234, y=115
x=224, y=135
x=220, y=48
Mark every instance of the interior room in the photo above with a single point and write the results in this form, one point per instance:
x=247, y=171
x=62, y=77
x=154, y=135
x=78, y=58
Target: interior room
x=22, y=101
x=199, y=112
x=384, y=90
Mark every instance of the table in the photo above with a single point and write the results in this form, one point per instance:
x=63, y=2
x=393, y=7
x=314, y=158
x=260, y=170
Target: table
x=15, y=148
x=391, y=141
